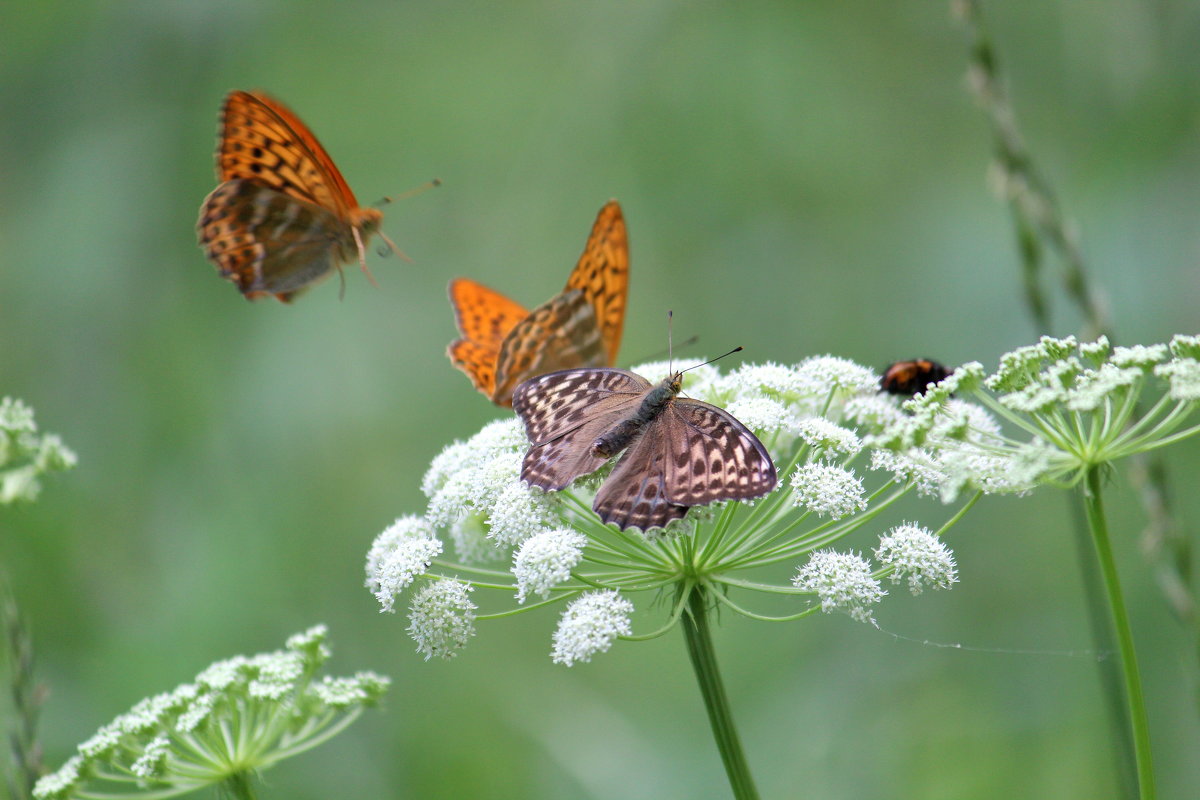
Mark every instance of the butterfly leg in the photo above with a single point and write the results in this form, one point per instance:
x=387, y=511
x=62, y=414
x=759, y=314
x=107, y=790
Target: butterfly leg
x=392, y=246
x=362, y=259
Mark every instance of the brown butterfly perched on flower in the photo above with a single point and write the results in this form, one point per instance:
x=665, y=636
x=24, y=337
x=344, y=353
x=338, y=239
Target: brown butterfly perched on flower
x=502, y=344
x=282, y=217
x=911, y=377
x=679, y=452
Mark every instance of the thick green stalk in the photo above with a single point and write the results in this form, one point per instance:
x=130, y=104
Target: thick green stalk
x=1140, y=728
x=239, y=786
x=720, y=716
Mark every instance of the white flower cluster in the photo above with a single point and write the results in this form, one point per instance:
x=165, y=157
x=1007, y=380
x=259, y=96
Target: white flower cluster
x=546, y=560
x=816, y=417
x=915, y=554
x=1064, y=373
x=442, y=618
x=475, y=487
x=589, y=626
x=828, y=491
x=176, y=741
x=842, y=582
x=398, y=556
x=845, y=581
x=1077, y=400
x=24, y=455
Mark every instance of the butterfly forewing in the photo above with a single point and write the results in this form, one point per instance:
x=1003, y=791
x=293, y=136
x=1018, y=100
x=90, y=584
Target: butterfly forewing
x=602, y=274
x=579, y=327
x=553, y=404
x=559, y=334
x=564, y=412
x=263, y=141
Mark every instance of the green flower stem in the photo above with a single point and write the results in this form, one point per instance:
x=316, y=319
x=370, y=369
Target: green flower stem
x=720, y=716
x=1098, y=524
x=239, y=786
x=763, y=617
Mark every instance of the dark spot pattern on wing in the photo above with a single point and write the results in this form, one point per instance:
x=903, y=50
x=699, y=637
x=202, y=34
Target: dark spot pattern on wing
x=714, y=456
x=680, y=453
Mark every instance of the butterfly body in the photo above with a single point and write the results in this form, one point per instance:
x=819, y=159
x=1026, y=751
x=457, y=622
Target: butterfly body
x=503, y=344
x=678, y=452
x=613, y=441
x=282, y=217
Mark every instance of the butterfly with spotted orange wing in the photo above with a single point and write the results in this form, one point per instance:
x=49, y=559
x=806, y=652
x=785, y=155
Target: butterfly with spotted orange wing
x=502, y=344
x=283, y=217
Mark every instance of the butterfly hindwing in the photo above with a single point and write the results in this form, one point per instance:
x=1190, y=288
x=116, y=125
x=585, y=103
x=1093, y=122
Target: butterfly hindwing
x=602, y=274
x=266, y=242
x=713, y=456
x=484, y=317
x=635, y=494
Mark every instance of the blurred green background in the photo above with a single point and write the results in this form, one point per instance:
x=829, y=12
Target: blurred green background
x=798, y=178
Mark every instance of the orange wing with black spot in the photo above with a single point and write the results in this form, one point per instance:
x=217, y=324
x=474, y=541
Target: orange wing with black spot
x=484, y=318
x=282, y=217
x=503, y=344
x=263, y=141
x=602, y=274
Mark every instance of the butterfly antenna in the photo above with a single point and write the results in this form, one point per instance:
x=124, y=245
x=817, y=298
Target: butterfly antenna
x=670, y=346
x=688, y=342
x=737, y=349
x=424, y=187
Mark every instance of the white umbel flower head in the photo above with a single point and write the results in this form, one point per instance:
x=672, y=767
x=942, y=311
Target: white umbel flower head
x=1184, y=377
x=763, y=414
x=519, y=513
x=179, y=741
x=24, y=455
x=842, y=582
x=827, y=490
x=821, y=374
x=589, y=626
x=401, y=553
x=916, y=554
x=546, y=560
x=828, y=439
x=767, y=380
x=442, y=618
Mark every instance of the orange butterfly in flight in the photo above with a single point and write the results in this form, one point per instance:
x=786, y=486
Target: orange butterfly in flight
x=282, y=217
x=502, y=344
